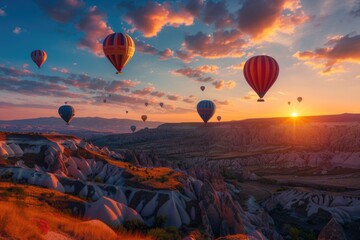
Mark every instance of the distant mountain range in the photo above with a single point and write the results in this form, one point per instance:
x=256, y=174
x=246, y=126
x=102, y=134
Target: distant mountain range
x=81, y=127
x=94, y=126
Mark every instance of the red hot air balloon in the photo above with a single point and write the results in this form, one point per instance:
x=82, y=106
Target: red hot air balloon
x=202, y=88
x=144, y=117
x=119, y=49
x=261, y=72
x=39, y=57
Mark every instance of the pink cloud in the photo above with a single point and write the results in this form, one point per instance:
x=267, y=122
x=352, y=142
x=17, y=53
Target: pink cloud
x=219, y=84
x=218, y=102
x=230, y=84
x=62, y=70
x=17, y=30
x=2, y=12
x=25, y=65
x=95, y=29
x=144, y=91
x=153, y=16
x=208, y=69
x=190, y=99
x=196, y=74
x=158, y=94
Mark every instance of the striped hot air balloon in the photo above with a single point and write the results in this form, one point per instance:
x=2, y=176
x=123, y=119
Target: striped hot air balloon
x=119, y=49
x=39, y=57
x=206, y=109
x=261, y=72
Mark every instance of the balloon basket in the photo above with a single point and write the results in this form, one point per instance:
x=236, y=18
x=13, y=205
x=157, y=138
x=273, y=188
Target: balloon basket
x=261, y=100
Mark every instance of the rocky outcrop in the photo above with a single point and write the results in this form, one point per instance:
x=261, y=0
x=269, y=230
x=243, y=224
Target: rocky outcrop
x=332, y=231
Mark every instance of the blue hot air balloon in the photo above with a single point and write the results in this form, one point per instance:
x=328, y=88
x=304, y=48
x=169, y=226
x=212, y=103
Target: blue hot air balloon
x=133, y=128
x=206, y=110
x=67, y=113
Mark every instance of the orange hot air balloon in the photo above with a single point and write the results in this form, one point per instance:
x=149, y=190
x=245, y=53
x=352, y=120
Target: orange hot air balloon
x=144, y=117
x=119, y=49
x=261, y=73
x=39, y=57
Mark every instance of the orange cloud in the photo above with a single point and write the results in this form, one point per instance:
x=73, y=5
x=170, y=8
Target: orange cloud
x=337, y=50
x=152, y=17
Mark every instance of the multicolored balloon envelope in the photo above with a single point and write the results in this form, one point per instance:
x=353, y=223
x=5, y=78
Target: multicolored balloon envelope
x=119, y=49
x=67, y=113
x=261, y=73
x=144, y=117
x=39, y=57
x=133, y=128
x=206, y=110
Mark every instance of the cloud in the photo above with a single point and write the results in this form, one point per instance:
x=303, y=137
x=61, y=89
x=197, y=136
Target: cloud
x=25, y=65
x=173, y=97
x=218, y=102
x=355, y=12
x=2, y=12
x=239, y=66
x=259, y=18
x=195, y=74
x=7, y=105
x=221, y=84
x=230, y=84
x=217, y=13
x=153, y=16
x=190, y=99
x=144, y=91
x=95, y=29
x=122, y=85
x=222, y=43
x=146, y=48
x=158, y=94
x=17, y=30
x=62, y=11
x=62, y=70
x=337, y=50
x=208, y=69
x=250, y=95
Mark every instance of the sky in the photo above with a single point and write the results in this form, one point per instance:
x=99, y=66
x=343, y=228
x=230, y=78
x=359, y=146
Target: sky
x=180, y=46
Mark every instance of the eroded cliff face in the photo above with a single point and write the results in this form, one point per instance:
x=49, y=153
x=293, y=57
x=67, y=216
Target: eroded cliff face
x=117, y=187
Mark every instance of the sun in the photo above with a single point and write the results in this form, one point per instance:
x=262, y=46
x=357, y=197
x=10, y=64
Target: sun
x=294, y=114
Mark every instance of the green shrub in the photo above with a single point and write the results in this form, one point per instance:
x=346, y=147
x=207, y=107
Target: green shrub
x=294, y=233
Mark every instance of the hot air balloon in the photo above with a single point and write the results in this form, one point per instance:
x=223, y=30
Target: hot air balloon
x=119, y=49
x=133, y=128
x=109, y=95
x=289, y=103
x=65, y=103
x=218, y=118
x=161, y=104
x=104, y=100
x=127, y=112
x=66, y=112
x=144, y=117
x=146, y=104
x=39, y=57
x=299, y=99
x=261, y=72
x=206, y=110
x=202, y=88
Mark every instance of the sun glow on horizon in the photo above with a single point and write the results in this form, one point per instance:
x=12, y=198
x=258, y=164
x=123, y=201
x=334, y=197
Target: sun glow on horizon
x=294, y=114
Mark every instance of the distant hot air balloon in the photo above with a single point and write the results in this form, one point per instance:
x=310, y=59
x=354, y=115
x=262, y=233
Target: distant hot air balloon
x=202, y=88
x=133, y=128
x=299, y=99
x=161, y=104
x=218, y=118
x=144, y=117
x=39, y=57
x=206, y=110
x=66, y=112
x=261, y=72
x=65, y=103
x=119, y=49
x=104, y=100
x=127, y=112
x=109, y=95
x=146, y=104
x=289, y=103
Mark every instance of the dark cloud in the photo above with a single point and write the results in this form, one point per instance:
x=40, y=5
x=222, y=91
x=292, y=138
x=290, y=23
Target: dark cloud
x=60, y=10
x=146, y=48
x=195, y=74
x=173, y=97
x=217, y=13
x=356, y=9
x=144, y=91
x=158, y=94
x=337, y=50
x=190, y=99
